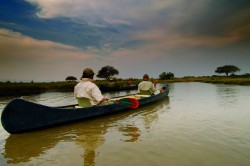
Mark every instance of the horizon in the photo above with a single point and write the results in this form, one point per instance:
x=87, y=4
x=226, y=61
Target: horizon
x=103, y=79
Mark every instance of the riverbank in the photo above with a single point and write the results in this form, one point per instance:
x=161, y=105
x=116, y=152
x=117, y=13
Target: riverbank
x=22, y=89
x=214, y=80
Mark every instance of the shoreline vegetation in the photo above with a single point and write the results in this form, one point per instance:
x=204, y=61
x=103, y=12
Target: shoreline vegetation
x=8, y=89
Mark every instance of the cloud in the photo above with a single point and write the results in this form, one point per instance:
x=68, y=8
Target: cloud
x=134, y=23
x=32, y=48
x=111, y=11
x=160, y=40
x=22, y=54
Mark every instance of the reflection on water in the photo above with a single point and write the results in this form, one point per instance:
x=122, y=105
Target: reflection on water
x=90, y=141
x=21, y=148
x=227, y=94
x=130, y=131
x=89, y=136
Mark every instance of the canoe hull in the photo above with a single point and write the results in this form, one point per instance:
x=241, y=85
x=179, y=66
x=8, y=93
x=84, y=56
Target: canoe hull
x=21, y=116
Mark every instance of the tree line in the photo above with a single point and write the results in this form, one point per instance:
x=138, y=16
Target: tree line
x=107, y=72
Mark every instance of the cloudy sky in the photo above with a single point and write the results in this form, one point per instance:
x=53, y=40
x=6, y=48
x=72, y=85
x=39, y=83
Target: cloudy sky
x=48, y=40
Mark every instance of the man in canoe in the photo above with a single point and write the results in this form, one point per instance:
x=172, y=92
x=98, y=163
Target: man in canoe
x=87, y=93
x=159, y=90
x=146, y=87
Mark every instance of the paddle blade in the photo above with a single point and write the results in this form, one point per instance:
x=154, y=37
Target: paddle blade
x=130, y=102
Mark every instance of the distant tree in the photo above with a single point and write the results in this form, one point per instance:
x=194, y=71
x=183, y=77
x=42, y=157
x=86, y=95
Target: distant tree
x=71, y=78
x=107, y=72
x=227, y=69
x=165, y=76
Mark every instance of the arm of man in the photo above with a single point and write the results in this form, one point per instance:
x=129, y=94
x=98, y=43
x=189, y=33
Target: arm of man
x=96, y=93
x=152, y=88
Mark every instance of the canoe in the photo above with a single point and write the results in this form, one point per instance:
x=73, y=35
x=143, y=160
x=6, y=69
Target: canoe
x=20, y=116
x=105, y=88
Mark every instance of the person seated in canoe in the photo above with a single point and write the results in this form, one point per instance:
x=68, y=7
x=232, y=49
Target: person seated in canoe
x=159, y=90
x=146, y=87
x=86, y=92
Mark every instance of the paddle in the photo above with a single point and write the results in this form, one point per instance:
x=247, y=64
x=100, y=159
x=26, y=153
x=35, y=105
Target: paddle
x=130, y=102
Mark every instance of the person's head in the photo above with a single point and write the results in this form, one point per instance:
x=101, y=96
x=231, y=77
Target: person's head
x=88, y=73
x=163, y=88
x=145, y=77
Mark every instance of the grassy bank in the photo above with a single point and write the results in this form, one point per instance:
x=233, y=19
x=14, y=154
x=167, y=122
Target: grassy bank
x=214, y=80
x=231, y=81
x=22, y=89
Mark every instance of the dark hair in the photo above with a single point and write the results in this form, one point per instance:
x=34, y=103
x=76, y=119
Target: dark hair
x=145, y=76
x=84, y=75
x=88, y=73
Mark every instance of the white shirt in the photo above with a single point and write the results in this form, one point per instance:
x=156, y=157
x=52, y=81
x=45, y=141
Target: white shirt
x=85, y=88
x=157, y=92
x=145, y=86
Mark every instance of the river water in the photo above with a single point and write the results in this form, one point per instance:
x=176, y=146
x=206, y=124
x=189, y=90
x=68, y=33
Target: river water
x=199, y=124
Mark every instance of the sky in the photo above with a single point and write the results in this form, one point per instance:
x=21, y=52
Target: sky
x=48, y=40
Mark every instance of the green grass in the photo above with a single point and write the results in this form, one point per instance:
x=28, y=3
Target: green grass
x=231, y=81
x=214, y=80
x=21, y=89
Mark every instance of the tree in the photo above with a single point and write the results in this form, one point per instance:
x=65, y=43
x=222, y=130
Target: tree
x=165, y=76
x=107, y=72
x=71, y=78
x=227, y=69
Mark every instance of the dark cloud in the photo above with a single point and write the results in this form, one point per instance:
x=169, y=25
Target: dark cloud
x=21, y=17
x=213, y=17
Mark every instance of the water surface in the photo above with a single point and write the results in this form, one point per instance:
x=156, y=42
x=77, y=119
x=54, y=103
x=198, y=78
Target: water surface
x=198, y=124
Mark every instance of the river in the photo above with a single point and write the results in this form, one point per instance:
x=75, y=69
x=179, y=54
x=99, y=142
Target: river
x=199, y=124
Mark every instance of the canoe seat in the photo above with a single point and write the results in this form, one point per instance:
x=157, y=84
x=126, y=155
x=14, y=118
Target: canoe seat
x=83, y=102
